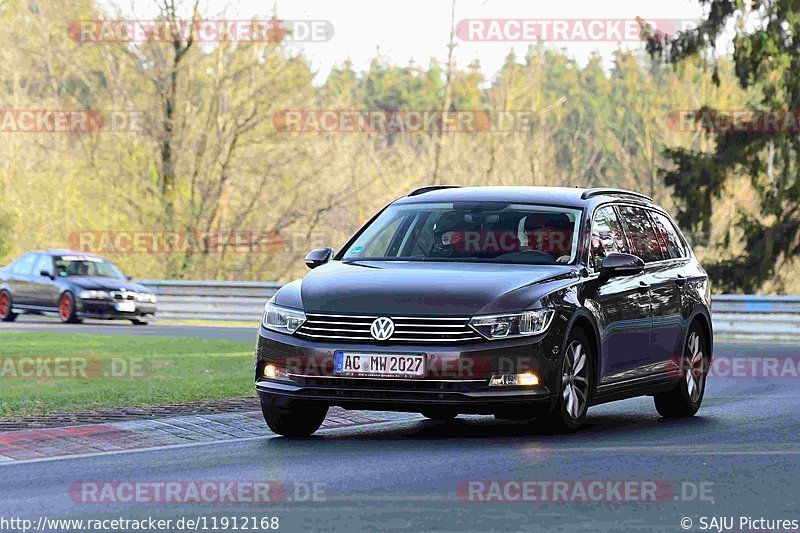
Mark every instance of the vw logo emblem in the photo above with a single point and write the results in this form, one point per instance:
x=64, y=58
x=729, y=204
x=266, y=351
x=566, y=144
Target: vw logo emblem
x=382, y=328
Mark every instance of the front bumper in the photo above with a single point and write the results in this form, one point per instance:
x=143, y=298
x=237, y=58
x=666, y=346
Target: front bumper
x=106, y=309
x=456, y=376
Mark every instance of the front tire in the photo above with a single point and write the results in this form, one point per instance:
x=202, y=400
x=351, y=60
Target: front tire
x=67, y=309
x=685, y=399
x=439, y=414
x=138, y=322
x=574, y=385
x=5, y=307
x=298, y=420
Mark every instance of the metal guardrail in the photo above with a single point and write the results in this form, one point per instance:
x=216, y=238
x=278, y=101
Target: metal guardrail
x=748, y=316
x=743, y=316
x=211, y=300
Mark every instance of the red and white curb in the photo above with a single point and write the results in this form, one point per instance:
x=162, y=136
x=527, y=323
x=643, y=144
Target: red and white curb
x=40, y=444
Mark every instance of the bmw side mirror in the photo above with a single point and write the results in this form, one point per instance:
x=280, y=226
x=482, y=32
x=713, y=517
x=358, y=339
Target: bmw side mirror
x=46, y=274
x=617, y=264
x=129, y=278
x=318, y=257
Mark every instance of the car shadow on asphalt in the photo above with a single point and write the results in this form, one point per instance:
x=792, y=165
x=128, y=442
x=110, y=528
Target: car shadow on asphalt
x=607, y=429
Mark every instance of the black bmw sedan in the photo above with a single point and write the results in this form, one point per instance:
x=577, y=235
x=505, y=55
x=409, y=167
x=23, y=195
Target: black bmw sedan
x=72, y=285
x=520, y=302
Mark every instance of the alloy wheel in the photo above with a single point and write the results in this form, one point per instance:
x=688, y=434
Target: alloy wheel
x=65, y=307
x=5, y=307
x=695, y=373
x=574, y=380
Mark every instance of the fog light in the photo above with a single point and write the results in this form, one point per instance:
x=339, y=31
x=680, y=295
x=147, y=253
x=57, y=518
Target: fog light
x=273, y=372
x=526, y=379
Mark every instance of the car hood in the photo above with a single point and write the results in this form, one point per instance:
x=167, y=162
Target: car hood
x=108, y=284
x=416, y=288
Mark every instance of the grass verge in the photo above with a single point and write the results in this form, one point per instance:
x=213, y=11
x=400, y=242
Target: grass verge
x=42, y=373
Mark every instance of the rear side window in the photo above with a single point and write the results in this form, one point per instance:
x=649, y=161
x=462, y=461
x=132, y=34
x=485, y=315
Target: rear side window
x=24, y=265
x=640, y=234
x=669, y=236
x=607, y=236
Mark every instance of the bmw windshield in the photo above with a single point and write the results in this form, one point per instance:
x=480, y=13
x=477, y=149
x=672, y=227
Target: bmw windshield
x=86, y=266
x=470, y=232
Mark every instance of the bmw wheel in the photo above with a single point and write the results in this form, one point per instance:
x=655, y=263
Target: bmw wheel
x=66, y=308
x=5, y=307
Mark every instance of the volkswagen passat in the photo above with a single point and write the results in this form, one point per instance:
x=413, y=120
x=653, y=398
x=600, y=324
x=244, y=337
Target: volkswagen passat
x=519, y=302
x=73, y=286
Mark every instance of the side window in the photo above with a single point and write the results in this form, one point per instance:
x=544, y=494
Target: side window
x=641, y=234
x=24, y=265
x=45, y=262
x=669, y=236
x=607, y=236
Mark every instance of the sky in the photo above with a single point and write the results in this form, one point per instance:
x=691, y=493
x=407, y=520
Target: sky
x=419, y=29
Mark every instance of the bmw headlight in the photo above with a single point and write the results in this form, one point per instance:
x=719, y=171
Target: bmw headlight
x=146, y=297
x=513, y=325
x=94, y=295
x=282, y=319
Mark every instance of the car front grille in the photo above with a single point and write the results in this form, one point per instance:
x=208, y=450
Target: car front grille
x=120, y=295
x=356, y=328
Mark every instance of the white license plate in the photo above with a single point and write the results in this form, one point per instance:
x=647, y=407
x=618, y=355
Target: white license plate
x=125, y=307
x=378, y=365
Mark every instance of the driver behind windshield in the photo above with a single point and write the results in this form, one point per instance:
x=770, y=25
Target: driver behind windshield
x=511, y=233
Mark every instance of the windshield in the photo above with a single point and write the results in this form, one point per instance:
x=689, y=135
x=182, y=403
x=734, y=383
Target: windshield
x=86, y=266
x=471, y=232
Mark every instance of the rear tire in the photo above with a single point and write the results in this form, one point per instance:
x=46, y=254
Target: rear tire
x=66, y=309
x=6, y=303
x=685, y=399
x=298, y=420
x=436, y=414
x=574, y=384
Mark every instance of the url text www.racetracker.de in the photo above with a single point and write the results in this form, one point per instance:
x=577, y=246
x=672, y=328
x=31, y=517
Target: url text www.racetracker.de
x=196, y=523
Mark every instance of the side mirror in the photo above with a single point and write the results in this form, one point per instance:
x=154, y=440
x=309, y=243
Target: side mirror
x=616, y=264
x=46, y=274
x=318, y=257
x=129, y=278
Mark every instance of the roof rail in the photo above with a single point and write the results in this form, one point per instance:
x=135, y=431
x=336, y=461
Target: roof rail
x=429, y=188
x=598, y=191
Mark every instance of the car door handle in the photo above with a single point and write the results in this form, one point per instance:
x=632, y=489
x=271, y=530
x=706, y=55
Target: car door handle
x=644, y=288
x=680, y=281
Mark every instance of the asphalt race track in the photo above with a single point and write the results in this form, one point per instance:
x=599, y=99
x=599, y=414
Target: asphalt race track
x=739, y=457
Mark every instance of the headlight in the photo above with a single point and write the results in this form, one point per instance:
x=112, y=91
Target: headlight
x=146, y=297
x=514, y=325
x=94, y=295
x=282, y=319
